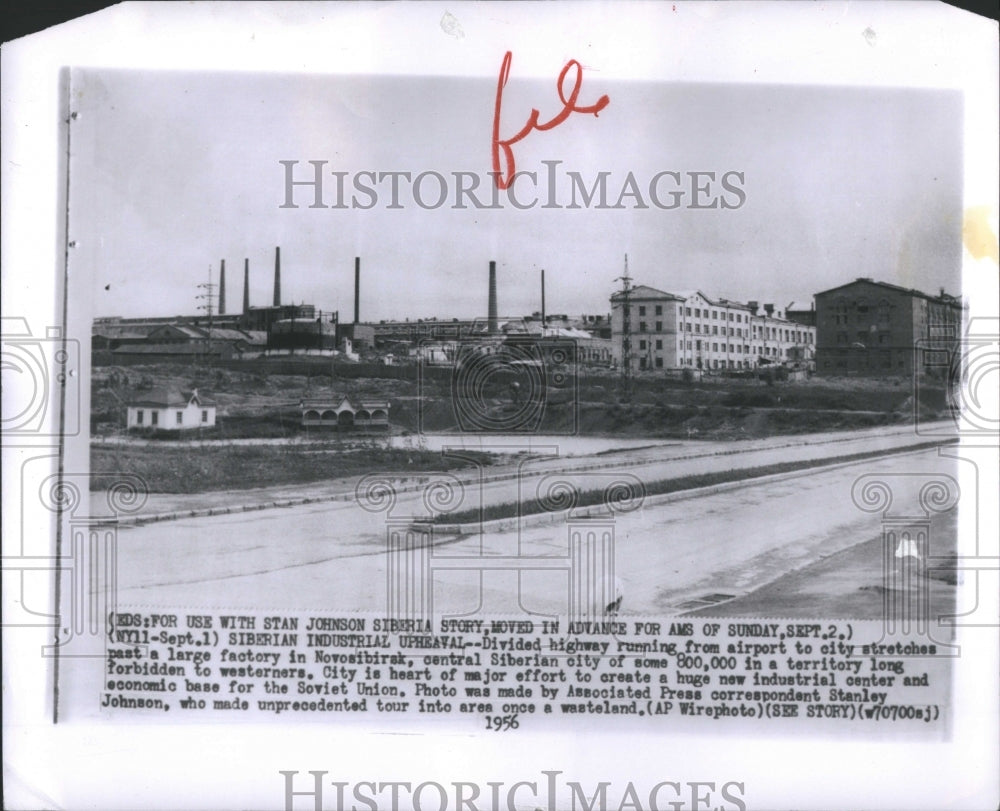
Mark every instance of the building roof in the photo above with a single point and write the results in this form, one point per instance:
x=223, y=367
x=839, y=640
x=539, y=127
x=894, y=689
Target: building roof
x=715, y=302
x=943, y=298
x=169, y=398
x=226, y=334
x=352, y=403
x=182, y=329
x=118, y=334
x=183, y=350
x=642, y=291
x=567, y=332
x=123, y=331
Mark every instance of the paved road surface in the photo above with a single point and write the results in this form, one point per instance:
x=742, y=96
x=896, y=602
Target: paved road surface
x=648, y=463
x=330, y=556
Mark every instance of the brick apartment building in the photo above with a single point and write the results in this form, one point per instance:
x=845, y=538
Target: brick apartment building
x=866, y=327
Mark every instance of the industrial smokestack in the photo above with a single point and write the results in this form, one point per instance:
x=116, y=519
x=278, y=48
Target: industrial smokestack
x=277, y=277
x=222, y=287
x=492, y=323
x=543, y=297
x=246, y=286
x=357, y=289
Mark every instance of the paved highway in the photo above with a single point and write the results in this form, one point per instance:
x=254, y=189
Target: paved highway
x=331, y=556
x=647, y=463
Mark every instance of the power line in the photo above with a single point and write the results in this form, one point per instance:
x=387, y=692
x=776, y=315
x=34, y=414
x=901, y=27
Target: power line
x=209, y=306
x=626, y=298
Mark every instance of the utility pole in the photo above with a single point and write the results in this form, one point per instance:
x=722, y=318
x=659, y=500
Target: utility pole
x=626, y=332
x=208, y=296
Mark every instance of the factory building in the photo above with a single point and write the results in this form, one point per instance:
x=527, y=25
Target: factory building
x=292, y=328
x=693, y=330
x=866, y=327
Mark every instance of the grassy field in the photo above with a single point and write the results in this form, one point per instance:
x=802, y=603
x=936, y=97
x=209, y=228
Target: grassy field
x=261, y=404
x=167, y=469
x=264, y=404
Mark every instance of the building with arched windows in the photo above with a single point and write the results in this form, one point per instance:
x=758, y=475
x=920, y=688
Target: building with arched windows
x=345, y=414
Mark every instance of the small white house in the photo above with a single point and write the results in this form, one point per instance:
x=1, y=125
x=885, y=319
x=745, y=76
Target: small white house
x=170, y=410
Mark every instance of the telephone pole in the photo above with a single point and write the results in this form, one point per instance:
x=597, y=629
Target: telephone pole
x=208, y=296
x=626, y=297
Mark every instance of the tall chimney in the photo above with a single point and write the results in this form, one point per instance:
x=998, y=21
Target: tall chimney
x=357, y=289
x=246, y=286
x=222, y=287
x=543, y=297
x=492, y=324
x=277, y=277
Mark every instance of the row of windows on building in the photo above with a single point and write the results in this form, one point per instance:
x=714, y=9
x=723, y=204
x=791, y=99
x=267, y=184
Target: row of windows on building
x=154, y=417
x=862, y=337
x=717, y=315
x=687, y=311
x=744, y=349
x=765, y=333
x=862, y=309
x=882, y=361
x=713, y=363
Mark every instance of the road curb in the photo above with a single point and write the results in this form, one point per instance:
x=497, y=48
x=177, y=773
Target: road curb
x=535, y=519
x=420, y=481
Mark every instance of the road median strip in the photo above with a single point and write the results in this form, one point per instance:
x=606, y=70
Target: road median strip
x=593, y=503
x=420, y=481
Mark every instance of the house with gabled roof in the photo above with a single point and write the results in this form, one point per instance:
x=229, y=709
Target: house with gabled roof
x=170, y=410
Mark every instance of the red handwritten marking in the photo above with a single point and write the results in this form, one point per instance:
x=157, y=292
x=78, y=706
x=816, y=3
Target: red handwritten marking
x=503, y=179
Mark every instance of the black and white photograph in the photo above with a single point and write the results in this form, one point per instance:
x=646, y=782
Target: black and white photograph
x=432, y=423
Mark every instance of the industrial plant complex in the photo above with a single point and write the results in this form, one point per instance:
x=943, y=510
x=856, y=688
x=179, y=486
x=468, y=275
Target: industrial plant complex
x=863, y=328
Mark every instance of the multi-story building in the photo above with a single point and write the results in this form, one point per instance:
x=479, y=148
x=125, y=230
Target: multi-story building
x=874, y=328
x=776, y=337
x=692, y=330
x=654, y=327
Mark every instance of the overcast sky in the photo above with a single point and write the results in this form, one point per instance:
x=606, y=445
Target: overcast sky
x=172, y=172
